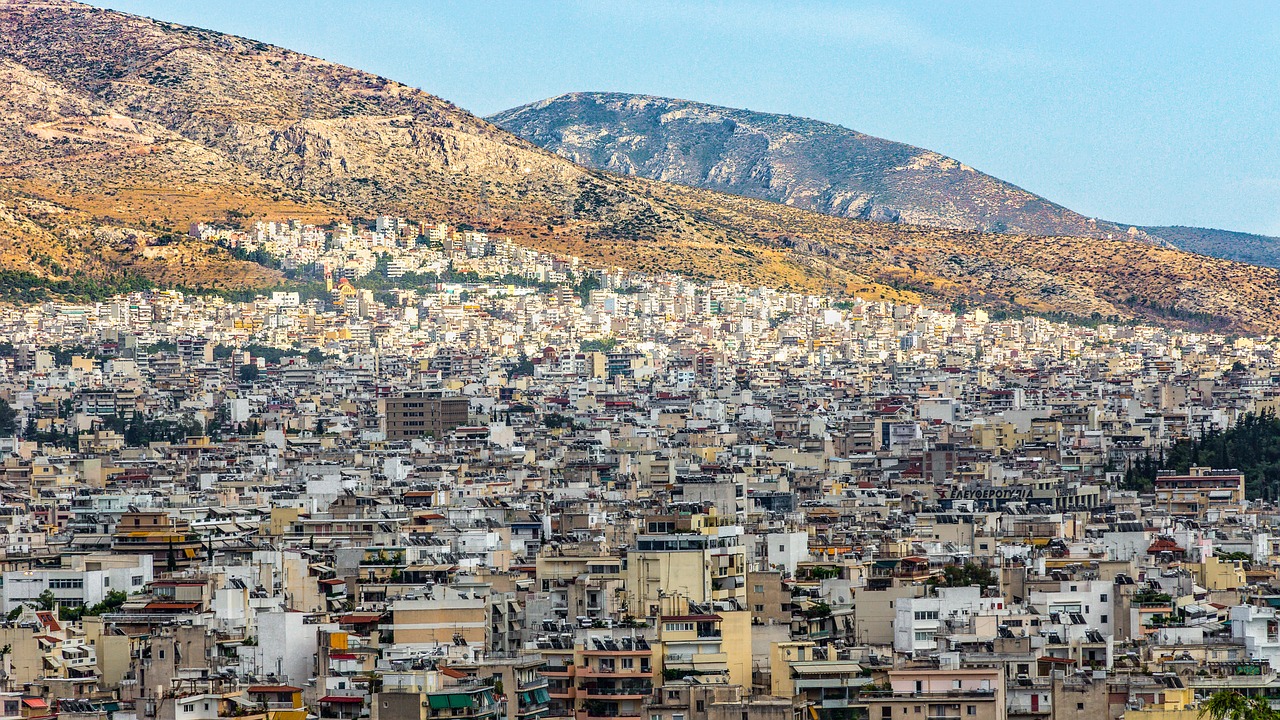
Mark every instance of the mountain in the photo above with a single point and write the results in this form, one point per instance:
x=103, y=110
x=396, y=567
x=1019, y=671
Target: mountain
x=120, y=120
x=822, y=167
x=799, y=162
x=1228, y=244
x=120, y=130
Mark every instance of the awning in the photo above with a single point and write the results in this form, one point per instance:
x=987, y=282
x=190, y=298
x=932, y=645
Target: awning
x=440, y=702
x=343, y=699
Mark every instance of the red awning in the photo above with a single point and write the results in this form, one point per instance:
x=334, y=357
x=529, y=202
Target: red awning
x=356, y=619
x=341, y=699
x=37, y=703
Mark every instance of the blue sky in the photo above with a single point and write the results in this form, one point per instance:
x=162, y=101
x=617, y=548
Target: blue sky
x=1132, y=112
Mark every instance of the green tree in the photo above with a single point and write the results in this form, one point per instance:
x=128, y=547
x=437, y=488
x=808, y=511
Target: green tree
x=8, y=419
x=555, y=421
x=604, y=345
x=1251, y=446
x=1231, y=705
x=249, y=373
x=965, y=575
x=112, y=602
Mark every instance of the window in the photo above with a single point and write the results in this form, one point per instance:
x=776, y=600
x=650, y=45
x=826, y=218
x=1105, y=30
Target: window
x=66, y=584
x=136, y=580
x=759, y=608
x=1103, y=597
x=1079, y=706
x=759, y=588
x=702, y=706
x=162, y=654
x=679, y=626
x=971, y=710
x=1103, y=618
x=886, y=713
x=189, y=708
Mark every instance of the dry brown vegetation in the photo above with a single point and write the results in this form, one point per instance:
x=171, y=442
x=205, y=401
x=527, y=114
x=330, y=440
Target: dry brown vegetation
x=120, y=125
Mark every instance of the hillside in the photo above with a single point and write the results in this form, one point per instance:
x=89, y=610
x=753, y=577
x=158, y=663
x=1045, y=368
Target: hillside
x=121, y=130
x=822, y=167
x=1239, y=246
x=796, y=161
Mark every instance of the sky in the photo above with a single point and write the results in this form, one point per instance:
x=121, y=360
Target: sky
x=1143, y=113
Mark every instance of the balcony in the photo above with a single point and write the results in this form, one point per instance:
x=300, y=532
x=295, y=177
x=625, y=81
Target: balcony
x=533, y=684
x=613, y=713
x=630, y=692
x=684, y=660
x=615, y=672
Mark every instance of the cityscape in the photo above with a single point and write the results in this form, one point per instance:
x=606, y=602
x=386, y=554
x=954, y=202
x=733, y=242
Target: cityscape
x=560, y=491
x=324, y=398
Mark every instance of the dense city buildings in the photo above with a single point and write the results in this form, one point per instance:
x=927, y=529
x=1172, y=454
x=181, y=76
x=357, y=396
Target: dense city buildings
x=444, y=476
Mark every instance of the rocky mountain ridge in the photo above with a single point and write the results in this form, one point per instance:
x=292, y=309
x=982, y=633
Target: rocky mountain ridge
x=819, y=166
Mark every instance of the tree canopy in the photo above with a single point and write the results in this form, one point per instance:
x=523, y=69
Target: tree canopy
x=1231, y=705
x=8, y=419
x=966, y=575
x=1251, y=446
